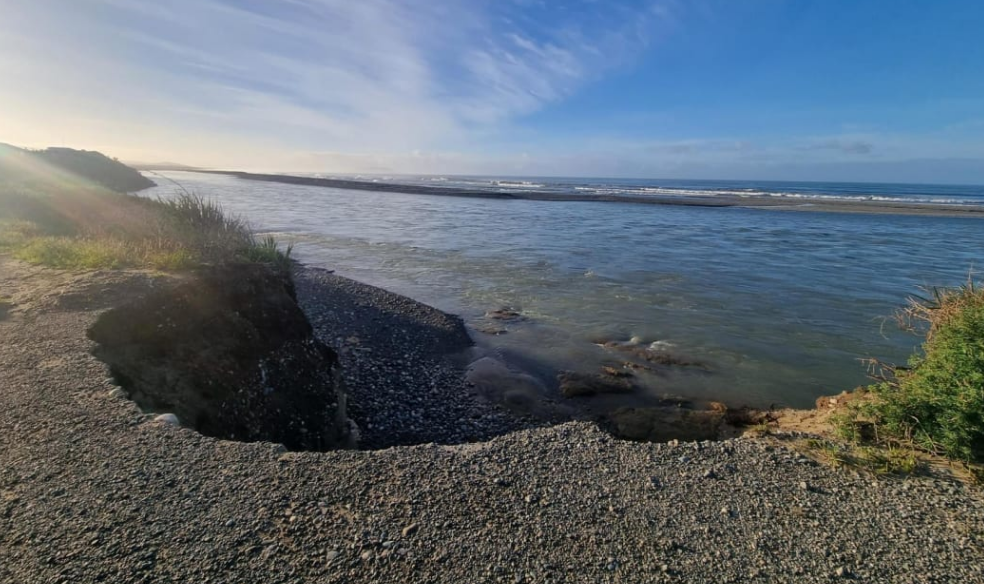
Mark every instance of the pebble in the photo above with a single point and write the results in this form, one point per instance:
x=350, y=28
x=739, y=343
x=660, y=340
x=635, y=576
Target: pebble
x=169, y=419
x=410, y=530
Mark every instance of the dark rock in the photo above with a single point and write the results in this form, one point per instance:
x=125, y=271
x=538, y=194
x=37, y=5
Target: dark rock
x=574, y=384
x=663, y=423
x=504, y=314
x=615, y=371
x=491, y=330
x=230, y=353
x=650, y=355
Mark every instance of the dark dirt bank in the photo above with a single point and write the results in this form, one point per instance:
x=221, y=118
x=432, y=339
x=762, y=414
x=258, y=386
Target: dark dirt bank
x=93, y=489
x=232, y=355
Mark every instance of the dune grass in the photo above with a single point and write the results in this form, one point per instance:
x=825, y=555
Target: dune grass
x=94, y=228
x=85, y=253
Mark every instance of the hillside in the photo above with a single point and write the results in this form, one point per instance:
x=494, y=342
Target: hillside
x=17, y=164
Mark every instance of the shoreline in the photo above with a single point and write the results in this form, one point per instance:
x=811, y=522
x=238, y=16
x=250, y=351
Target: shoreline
x=403, y=362
x=718, y=201
x=92, y=488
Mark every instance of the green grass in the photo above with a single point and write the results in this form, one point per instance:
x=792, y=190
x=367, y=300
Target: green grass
x=93, y=229
x=104, y=253
x=267, y=251
x=14, y=234
x=65, y=252
x=937, y=402
x=877, y=459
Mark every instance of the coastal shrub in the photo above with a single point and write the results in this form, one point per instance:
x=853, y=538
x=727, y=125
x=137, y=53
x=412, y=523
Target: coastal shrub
x=937, y=402
x=96, y=228
x=198, y=223
x=78, y=253
x=92, y=167
x=31, y=206
x=16, y=233
x=267, y=251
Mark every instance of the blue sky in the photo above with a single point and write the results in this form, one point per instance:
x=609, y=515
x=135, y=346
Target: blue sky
x=795, y=89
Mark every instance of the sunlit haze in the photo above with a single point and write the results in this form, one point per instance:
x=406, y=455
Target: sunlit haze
x=811, y=90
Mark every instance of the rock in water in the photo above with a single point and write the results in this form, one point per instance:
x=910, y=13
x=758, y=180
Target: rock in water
x=231, y=354
x=573, y=384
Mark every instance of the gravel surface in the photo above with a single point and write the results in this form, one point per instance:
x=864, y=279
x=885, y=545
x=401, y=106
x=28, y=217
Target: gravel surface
x=403, y=363
x=93, y=490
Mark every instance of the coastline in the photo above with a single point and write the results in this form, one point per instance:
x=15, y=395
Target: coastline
x=92, y=488
x=718, y=201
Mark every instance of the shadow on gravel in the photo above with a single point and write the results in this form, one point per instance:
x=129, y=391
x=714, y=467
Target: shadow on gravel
x=229, y=353
x=404, y=365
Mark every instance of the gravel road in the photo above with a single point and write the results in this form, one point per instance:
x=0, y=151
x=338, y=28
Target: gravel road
x=93, y=490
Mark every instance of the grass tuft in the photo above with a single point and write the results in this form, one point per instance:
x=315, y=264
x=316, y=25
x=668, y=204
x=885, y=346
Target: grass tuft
x=877, y=459
x=267, y=251
x=936, y=403
x=93, y=229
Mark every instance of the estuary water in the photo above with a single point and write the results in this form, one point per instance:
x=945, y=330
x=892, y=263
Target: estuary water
x=781, y=306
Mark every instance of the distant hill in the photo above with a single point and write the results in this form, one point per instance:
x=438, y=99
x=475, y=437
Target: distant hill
x=161, y=166
x=94, y=166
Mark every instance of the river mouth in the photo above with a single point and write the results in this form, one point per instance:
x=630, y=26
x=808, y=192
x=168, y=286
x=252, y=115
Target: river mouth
x=781, y=307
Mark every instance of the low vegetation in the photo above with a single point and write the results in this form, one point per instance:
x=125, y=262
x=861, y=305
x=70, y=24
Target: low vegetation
x=936, y=402
x=67, y=165
x=89, y=228
x=70, y=209
x=885, y=459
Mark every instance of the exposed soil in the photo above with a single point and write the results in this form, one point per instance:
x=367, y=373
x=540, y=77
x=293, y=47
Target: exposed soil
x=231, y=354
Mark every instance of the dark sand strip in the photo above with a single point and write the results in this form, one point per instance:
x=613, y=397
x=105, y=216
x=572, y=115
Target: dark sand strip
x=770, y=203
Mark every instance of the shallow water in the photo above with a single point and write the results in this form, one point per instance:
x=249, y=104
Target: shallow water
x=780, y=305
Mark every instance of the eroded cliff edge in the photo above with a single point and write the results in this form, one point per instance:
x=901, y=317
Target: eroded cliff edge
x=231, y=354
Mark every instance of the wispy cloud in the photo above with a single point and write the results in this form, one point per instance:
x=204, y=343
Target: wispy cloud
x=848, y=146
x=365, y=76
x=434, y=86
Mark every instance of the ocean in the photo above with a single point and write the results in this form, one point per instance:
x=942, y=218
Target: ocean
x=794, y=192
x=781, y=306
